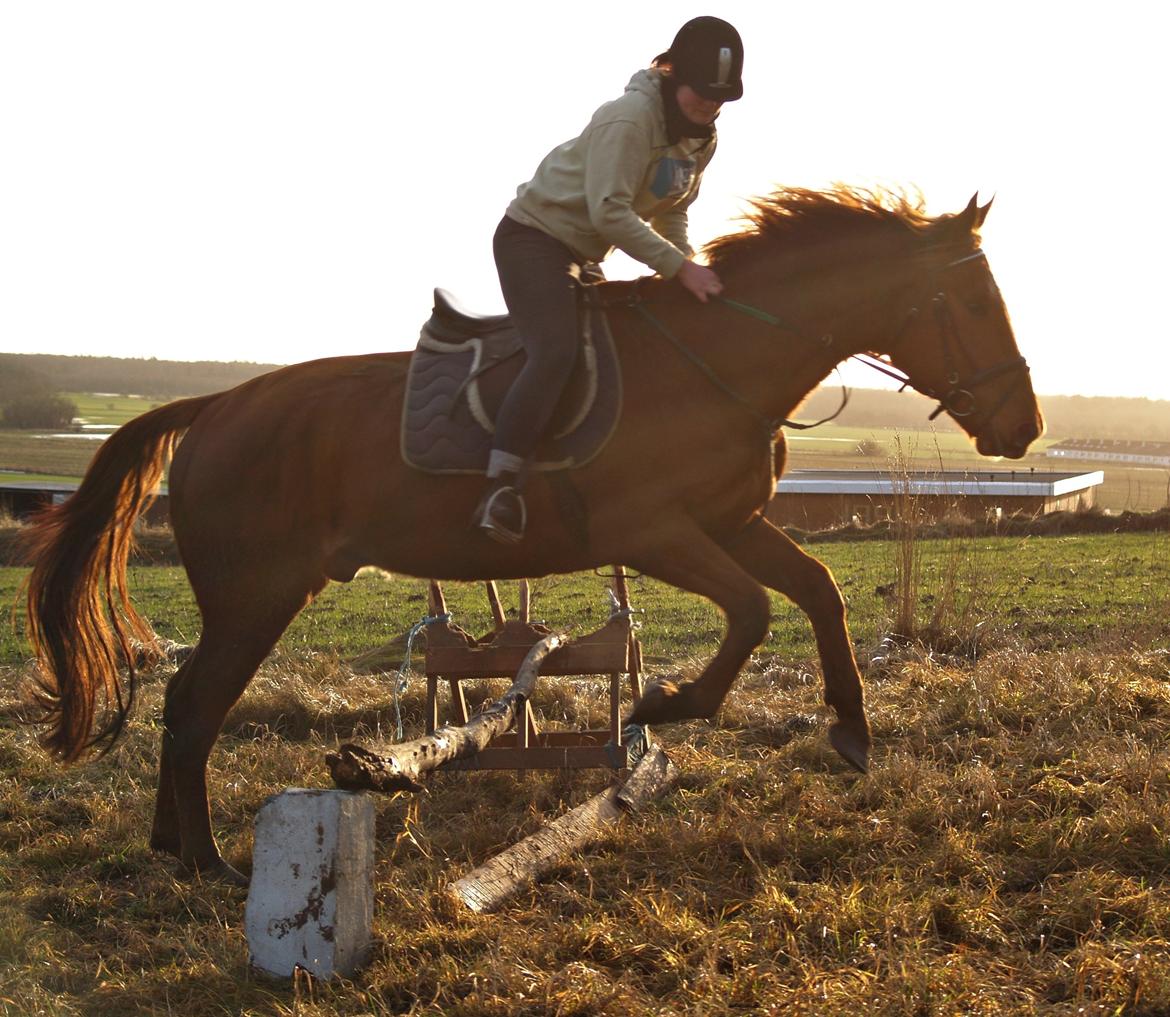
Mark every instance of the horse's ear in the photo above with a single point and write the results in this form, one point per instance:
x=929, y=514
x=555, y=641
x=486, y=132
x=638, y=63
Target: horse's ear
x=981, y=212
x=968, y=220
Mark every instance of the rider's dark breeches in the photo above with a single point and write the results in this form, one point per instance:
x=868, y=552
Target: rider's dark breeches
x=541, y=295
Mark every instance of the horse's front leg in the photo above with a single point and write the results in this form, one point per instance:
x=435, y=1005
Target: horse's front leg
x=688, y=559
x=775, y=560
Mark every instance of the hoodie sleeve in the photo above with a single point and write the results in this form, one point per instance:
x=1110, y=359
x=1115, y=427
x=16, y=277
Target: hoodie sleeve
x=615, y=163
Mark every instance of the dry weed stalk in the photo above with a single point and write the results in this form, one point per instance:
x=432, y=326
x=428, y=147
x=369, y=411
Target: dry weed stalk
x=952, y=621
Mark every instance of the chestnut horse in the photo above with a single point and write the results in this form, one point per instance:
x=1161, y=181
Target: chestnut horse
x=294, y=479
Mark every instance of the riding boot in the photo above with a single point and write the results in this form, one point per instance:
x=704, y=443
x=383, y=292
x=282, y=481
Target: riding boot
x=501, y=513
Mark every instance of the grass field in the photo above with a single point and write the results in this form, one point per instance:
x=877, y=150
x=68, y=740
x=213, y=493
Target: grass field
x=108, y=408
x=1006, y=855
x=59, y=456
x=1045, y=592
x=39, y=478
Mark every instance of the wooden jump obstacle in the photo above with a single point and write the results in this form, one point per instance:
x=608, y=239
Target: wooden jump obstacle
x=453, y=656
x=518, y=648
x=310, y=904
x=400, y=766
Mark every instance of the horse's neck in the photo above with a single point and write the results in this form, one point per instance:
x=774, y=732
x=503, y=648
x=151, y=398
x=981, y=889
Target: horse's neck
x=822, y=318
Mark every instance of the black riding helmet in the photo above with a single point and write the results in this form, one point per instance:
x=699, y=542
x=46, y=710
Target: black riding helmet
x=707, y=55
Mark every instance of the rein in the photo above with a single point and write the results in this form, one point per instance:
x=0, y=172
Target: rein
x=959, y=400
x=772, y=424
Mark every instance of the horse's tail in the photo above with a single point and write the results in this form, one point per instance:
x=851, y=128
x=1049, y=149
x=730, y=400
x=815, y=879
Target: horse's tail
x=80, y=619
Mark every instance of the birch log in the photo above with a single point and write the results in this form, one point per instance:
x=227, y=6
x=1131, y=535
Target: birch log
x=484, y=889
x=398, y=767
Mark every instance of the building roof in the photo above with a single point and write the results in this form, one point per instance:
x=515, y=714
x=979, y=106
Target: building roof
x=979, y=483
x=1122, y=447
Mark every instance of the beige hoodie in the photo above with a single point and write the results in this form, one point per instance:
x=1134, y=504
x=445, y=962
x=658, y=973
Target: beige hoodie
x=620, y=183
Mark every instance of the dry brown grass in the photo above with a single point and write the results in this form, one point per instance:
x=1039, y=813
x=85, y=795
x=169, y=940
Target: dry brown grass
x=1006, y=856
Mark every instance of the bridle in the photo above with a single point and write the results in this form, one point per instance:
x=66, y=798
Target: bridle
x=959, y=399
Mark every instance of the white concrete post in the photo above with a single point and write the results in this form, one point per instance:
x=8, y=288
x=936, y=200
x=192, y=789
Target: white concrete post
x=311, y=899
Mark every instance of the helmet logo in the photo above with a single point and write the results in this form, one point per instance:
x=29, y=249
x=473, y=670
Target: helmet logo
x=724, y=70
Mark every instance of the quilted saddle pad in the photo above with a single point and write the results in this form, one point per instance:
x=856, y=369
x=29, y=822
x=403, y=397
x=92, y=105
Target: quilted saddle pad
x=460, y=372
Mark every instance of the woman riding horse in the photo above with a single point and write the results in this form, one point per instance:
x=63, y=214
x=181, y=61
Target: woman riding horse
x=625, y=182
x=295, y=480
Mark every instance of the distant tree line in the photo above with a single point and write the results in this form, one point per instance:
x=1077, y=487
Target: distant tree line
x=152, y=379
x=1065, y=416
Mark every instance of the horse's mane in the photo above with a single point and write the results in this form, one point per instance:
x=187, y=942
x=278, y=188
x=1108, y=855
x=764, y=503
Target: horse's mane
x=795, y=219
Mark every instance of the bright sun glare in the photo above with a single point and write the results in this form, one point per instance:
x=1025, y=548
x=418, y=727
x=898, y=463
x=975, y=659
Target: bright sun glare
x=281, y=181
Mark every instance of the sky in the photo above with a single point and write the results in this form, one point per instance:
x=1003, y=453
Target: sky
x=276, y=180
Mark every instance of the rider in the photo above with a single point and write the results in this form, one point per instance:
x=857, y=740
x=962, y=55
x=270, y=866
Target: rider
x=625, y=182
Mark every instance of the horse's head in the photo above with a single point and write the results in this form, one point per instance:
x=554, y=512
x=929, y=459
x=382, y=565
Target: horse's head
x=957, y=345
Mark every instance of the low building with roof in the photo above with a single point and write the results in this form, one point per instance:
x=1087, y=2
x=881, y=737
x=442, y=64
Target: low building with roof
x=22, y=499
x=809, y=499
x=819, y=499
x=1141, y=453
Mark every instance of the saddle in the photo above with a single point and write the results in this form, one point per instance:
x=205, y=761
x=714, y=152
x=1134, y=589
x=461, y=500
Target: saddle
x=463, y=367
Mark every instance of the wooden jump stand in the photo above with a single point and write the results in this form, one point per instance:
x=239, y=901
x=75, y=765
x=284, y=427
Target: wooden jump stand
x=504, y=734
x=454, y=656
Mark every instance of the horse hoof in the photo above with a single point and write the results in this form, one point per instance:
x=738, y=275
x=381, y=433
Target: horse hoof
x=218, y=872
x=659, y=703
x=852, y=745
x=166, y=845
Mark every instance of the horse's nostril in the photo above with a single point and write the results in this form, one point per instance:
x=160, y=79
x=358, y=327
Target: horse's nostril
x=1027, y=433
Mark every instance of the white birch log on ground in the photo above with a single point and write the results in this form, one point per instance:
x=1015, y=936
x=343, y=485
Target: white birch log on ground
x=398, y=767
x=484, y=889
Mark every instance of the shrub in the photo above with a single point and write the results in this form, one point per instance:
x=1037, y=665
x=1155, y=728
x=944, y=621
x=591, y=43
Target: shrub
x=38, y=411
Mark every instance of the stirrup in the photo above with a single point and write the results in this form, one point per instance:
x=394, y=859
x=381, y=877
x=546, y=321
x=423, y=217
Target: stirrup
x=503, y=501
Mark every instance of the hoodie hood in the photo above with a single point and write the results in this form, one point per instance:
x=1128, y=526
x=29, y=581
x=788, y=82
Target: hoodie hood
x=647, y=81
x=661, y=90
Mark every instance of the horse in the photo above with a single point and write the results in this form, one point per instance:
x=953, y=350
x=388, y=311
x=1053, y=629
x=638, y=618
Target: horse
x=294, y=479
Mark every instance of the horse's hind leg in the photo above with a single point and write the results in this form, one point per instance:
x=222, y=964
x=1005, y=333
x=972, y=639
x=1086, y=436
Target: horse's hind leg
x=198, y=699
x=164, y=833
x=775, y=560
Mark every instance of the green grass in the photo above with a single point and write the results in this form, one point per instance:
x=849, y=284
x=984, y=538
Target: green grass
x=39, y=478
x=114, y=410
x=1048, y=591
x=28, y=452
x=1007, y=855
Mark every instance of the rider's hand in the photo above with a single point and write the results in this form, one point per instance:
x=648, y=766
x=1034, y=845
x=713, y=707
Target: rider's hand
x=701, y=281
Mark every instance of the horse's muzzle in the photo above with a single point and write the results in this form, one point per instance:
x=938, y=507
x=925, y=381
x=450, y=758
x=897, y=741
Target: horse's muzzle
x=1012, y=445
